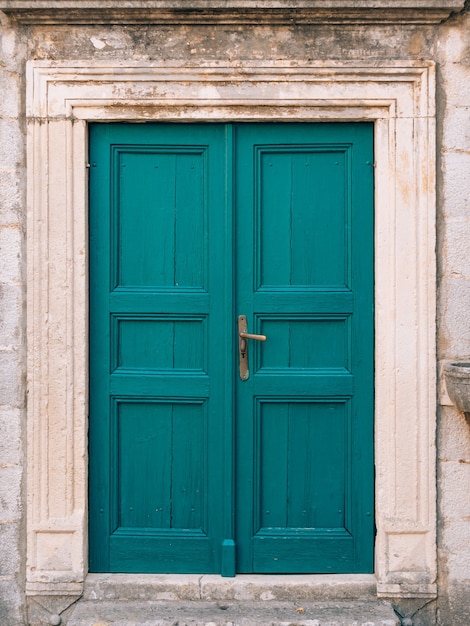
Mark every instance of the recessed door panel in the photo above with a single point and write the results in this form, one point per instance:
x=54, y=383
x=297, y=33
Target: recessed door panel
x=165, y=212
x=304, y=342
x=159, y=342
x=297, y=188
x=161, y=465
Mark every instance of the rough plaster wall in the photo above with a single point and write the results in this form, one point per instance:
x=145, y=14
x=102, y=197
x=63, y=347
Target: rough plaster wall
x=12, y=352
x=448, y=44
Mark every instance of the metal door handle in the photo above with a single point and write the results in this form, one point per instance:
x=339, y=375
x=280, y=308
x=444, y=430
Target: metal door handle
x=243, y=346
x=251, y=336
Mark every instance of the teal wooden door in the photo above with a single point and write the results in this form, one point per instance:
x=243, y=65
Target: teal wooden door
x=191, y=468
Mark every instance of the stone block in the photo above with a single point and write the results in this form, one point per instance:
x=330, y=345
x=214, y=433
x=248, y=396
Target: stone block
x=11, y=245
x=454, y=487
x=453, y=323
x=417, y=611
x=46, y=610
x=455, y=260
x=455, y=196
x=12, y=609
x=283, y=588
x=106, y=587
x=456, y=129
x=246, y=613
x=11, y=316
x=456, y=84
x=454, y=41
x=12, y=196
x=425, y=616
x=10, y=494
x=10, y=89
x=11, y=379
x=8, y=45
x=10, y=549
x=12, y=144
x=453, y=435
x=454, y=548
x=454, y=604
x=10, y=441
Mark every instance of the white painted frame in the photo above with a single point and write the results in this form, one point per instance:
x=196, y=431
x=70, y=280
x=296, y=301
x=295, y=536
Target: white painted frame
x=399, y=98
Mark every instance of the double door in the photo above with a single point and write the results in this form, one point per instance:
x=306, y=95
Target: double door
x=211, y=452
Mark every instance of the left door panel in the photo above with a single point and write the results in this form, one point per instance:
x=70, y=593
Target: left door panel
x=157, y=325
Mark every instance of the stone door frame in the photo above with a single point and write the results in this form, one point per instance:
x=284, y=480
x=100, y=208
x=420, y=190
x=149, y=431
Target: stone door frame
x=399, y=97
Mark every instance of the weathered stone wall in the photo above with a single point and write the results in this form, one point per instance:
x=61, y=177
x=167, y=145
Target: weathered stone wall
x=448, y=44
x=453, y=56
x=12, y=328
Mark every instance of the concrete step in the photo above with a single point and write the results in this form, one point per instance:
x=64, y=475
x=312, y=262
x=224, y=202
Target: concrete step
x=233, y=613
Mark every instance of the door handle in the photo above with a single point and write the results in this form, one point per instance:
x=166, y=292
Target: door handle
x=251, y=336
x=243, y=336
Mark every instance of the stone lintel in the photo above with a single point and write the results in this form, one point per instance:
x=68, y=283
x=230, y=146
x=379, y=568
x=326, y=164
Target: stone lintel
x=237, y=12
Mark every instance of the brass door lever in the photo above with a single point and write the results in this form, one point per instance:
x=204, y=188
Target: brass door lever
x=243, y=335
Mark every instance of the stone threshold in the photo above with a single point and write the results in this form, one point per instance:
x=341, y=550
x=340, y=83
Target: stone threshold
x=244, y=587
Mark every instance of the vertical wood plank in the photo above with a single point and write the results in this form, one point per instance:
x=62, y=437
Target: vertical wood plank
x=144, y=464
x=188, y=485
x=275, y=220
x=273, y=462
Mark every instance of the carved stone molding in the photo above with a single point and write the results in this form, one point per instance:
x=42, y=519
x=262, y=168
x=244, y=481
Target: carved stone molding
x=231, y=11
x=399, y=98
